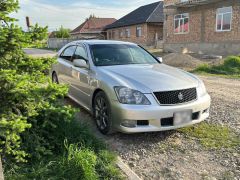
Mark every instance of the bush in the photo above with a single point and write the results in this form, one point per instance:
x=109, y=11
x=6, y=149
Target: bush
x=82, y=156
x=231, y=66
x=34, y=122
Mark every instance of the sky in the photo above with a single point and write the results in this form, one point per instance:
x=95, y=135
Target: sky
x=71, y=13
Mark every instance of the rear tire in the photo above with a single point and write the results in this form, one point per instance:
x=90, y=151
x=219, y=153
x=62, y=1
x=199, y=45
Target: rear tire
x=102, y=113
x=55, y=78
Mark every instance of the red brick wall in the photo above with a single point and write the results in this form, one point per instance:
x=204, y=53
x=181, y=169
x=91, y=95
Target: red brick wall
x=147, y=38
x=202, y=26
x=210, y=31
x=194, y=29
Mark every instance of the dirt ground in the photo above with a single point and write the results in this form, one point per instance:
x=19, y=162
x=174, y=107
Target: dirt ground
x=188, y=61
x=170, y=155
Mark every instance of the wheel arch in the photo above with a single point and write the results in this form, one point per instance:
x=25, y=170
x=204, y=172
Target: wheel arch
x=94, y=94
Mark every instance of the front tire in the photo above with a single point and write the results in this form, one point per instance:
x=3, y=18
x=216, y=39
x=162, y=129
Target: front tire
x=102, y=113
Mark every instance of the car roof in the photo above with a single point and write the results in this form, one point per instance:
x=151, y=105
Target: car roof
x=93, y=42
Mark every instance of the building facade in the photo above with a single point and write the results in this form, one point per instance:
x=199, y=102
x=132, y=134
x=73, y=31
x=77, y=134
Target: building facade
x=143, y=26
x=92, y=28
x=203, y=26
x=144, y=34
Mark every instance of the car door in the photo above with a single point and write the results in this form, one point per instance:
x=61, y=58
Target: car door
x=81, y=79
x=65, y=65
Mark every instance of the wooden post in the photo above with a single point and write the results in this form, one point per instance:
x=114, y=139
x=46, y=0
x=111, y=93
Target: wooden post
x=1, y=170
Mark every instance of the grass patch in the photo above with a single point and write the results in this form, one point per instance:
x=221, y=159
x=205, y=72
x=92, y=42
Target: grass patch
x=230, y=68
x=213, y=136
x=82, y=156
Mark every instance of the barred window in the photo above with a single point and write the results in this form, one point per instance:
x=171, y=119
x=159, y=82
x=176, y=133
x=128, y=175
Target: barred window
x=139, y=31
x=128, y=34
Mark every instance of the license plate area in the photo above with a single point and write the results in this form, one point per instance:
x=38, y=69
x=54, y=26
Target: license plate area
x=182, y=117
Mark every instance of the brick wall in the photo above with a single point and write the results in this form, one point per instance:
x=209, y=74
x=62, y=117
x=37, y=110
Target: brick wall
x=147, y=38
x=202, y=23
x=210, y=30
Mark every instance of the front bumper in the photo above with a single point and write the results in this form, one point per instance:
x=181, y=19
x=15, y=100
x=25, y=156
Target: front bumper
x=154, y=113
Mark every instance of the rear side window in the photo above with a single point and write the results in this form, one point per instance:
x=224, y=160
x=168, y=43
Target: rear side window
x=68, y=53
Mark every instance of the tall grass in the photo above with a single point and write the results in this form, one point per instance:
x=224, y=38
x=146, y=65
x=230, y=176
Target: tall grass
x=81, y=156
x=231, y=66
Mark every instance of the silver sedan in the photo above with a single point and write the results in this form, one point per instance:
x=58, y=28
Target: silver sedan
x=129, y=90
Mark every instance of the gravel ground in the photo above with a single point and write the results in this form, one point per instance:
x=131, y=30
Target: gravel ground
x=170, y=155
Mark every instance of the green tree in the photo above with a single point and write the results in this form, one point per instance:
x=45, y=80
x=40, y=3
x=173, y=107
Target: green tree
x=38, y=33
x=28, y=99
x=63, y=33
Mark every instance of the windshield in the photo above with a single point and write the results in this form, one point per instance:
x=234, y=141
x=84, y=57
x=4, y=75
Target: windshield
x=120, y=54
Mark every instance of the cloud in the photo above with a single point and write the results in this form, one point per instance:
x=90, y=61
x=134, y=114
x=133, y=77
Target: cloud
x=72, y=13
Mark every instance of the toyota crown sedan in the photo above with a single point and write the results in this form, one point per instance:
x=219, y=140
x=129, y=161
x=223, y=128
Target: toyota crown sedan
x=129, y=90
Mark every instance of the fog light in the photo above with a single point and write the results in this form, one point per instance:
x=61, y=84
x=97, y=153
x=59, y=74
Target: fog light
x=129, y=123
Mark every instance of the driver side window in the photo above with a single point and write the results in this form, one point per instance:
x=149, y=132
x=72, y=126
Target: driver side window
x=80, y=53
x=68, y=53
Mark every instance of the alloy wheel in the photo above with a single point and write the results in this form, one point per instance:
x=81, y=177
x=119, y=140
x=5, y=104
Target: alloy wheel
x=102, y=113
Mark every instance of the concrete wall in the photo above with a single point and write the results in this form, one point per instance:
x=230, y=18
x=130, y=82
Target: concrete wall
x=89, y=36
x=224, y=49
x=58, y=43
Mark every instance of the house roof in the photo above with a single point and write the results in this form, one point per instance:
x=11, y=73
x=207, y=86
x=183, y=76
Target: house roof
x=151, y=13
x=93, y=25
x=52, y=34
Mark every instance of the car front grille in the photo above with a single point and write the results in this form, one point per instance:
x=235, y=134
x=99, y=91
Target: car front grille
x=176, y=97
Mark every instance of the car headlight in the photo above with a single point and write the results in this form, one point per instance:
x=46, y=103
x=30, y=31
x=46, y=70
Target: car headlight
x=129, y=96
x=201, y=89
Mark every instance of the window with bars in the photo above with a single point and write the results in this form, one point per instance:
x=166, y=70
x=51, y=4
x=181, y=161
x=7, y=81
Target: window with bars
x=224, y=19
x=127, y=32
x=181, y=23
x=121, y=33
x=138, y=31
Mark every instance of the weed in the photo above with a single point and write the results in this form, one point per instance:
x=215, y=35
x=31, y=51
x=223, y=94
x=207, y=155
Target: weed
x=213, y=136
x=230, y=67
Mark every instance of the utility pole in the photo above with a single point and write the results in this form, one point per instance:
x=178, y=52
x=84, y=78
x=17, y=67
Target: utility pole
x=28, y=22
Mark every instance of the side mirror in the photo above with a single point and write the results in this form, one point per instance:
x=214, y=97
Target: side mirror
x=160, y=59
x=81, y=63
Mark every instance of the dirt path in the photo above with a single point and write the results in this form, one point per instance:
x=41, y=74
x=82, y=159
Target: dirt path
x=169, y=155
x=39, y=52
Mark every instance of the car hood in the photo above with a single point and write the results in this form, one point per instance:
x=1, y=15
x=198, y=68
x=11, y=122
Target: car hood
x=150, y=78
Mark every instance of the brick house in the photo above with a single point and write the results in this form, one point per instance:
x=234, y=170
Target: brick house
x=204, y=26
x=143, y=26
x=92, y=28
